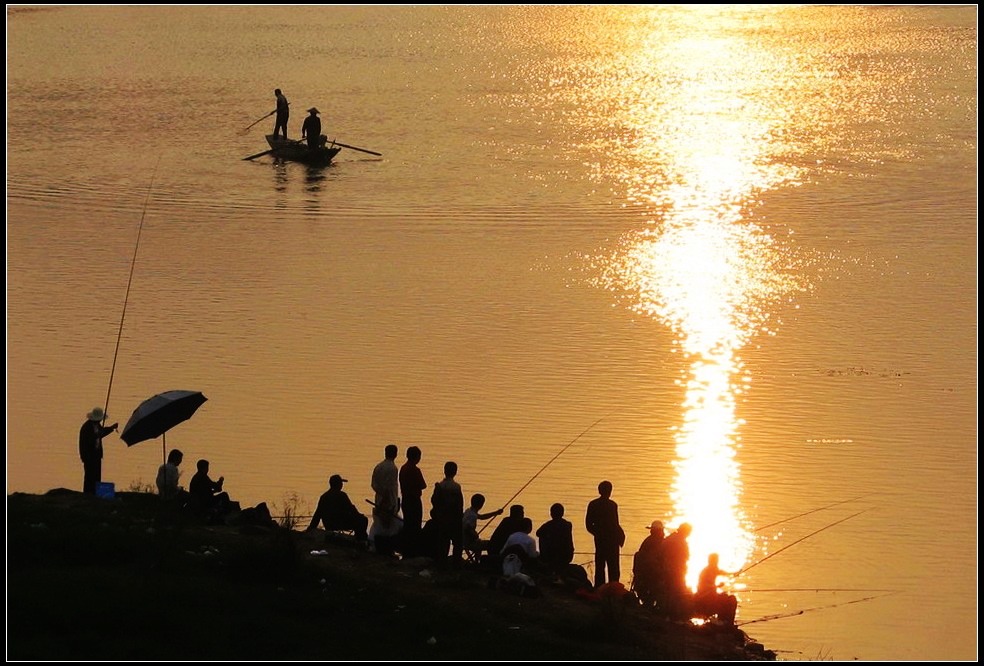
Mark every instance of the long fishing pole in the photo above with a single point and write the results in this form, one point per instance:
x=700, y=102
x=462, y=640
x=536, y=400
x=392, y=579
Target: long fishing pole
x=126, y=298
x=813, y=589
x=797, y=541
x=780, y=616
x=569, y=445
x=786, y=520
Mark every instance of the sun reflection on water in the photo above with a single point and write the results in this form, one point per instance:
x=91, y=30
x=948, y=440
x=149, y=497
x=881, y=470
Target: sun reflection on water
x=705, y=136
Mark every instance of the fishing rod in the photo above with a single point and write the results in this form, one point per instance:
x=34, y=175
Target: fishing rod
x=797, y=541
x=126, y=298
x=569, y=444
x=780, y=616
x=813, y=589
x=786, y=520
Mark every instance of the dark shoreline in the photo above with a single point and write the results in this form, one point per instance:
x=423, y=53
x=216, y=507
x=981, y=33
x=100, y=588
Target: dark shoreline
x=123, y=579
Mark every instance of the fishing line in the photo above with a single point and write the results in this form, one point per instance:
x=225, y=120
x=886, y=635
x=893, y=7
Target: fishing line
x=780, y=616
x=569, y=444
x=812, y=589
x=797, y=541
x=126, y=298
x=786, y=520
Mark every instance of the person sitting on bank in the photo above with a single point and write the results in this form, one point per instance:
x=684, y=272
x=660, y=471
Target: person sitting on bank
x=470, y=541
x=522, y=544
x=167, y=478
x=556, y=541
x=207, y=495
x=709, y=600
x=510, y=524
x=336, y=512
x=311, y=130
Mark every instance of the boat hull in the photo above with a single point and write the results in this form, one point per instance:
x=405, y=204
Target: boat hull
x=298, y=151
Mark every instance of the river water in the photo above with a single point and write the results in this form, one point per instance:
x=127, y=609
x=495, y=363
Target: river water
x=722, y=256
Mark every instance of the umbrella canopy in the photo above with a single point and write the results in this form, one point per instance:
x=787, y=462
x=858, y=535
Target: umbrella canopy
x=156, y=415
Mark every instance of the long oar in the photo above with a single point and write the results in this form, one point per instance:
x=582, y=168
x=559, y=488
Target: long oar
x=253, y=157
x=753, y=564
x=571, y=443
x=248, y=127
x=361, y=150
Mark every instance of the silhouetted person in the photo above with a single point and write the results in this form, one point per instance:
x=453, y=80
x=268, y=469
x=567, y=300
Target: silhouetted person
x=385, y=482
x=470, y=540
x=283, y=113
x=601, y=521
x=91, y=449
x=336, y=512
x=311, y=129
x=509, y=524
x=207, y=495
x=447, y=509
x=711, y=601
x=522, y=544
x=556, y=541
x=168, y=475
x=412, y=486
x=647, y=568
x=674, y=555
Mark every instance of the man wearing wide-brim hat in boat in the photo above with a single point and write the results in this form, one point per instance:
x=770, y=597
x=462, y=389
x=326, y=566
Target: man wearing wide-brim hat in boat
x=311, y=129
x=90, y=448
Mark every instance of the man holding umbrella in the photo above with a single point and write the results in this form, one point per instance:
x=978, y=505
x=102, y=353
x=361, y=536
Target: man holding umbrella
x=90, y=448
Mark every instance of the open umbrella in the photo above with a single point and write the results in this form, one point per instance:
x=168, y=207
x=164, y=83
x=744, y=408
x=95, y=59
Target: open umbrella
x=158, y=414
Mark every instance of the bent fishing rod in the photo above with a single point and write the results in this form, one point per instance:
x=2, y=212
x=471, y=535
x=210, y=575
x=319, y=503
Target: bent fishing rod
x=738, y=573
x=779, y=616
x=806, y=513
x=126, y=298
x=569, y=445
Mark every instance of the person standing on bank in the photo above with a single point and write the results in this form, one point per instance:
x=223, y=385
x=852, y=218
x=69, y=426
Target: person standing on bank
x=385, y=482
x=91, y=450
x=601, y=520
x=412, y=487
x=311, y=129
x=283, y=113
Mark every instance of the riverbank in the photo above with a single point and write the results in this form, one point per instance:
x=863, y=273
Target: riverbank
x=123, y=579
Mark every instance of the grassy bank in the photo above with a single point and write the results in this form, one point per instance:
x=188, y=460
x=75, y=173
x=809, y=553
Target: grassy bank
x=126, y=579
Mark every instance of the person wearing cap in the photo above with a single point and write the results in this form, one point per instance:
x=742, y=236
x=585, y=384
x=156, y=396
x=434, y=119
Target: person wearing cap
x=336, y=512
x=311, y=129
x=283, y=113
x=90, y=448
x=646, y=566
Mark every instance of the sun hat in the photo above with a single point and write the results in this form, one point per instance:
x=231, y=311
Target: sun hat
x=655, y=524
x=97, y=414
x=313, y=110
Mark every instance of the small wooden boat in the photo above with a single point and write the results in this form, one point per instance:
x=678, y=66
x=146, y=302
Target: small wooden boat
x=299, y=151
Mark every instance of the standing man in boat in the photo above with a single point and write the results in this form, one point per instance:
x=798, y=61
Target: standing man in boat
x=312, y=129
x=283, y=113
